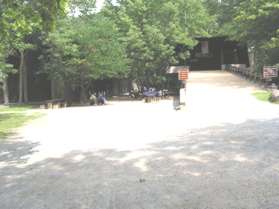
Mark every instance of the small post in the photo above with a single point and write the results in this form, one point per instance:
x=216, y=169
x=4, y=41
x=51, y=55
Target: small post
x=183, y=73
x=183, y=76
x=183, y=93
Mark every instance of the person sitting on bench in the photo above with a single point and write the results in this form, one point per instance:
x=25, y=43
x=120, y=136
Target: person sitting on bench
x=93, y=99
x=101, y=100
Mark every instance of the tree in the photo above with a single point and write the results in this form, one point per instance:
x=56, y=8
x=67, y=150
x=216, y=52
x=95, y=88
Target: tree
x=93, y=52
x=81, y=7
x=18, y=19
x=252, y=21
x=5, y=69
x=15, y=24
x=151, y=31
x=256, y=22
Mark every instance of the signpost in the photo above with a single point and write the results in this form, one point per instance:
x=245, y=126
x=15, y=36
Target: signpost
x=183, y=76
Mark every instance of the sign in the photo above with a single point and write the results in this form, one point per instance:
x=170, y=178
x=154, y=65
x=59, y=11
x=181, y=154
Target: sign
x=183, y=75
x=270, y=72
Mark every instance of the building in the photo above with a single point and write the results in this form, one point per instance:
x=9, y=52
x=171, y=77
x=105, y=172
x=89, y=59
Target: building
x=214, y=53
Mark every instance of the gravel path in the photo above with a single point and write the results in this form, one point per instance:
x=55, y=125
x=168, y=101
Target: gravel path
x=219, y=153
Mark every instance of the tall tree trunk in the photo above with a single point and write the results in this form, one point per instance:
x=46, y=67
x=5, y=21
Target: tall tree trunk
x=6, y=91
x=252, y=61
x=20, y=77
x=25, y=83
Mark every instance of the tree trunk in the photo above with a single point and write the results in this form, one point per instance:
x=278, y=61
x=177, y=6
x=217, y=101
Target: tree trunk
x=25, y=82
x=252, y=62
x=6, y=91
x=20, y=78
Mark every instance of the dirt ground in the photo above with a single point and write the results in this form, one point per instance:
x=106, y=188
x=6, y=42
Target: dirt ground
x=221, y=152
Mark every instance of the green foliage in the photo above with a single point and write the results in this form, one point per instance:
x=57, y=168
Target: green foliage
x=252, y=21
x=100, y=45
x=92, y=52
x=5, y=68
x=264, y=96
x=151, y=31
x=81, y=7
x=18, y=19
x=257, y=20
x=134, y=38
x=16, y=22
x=258, y=25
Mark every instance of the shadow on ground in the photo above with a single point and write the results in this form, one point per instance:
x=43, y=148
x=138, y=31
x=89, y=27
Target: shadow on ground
x=229, y=166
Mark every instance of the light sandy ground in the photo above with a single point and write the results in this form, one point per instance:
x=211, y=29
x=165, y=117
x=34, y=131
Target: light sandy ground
x=221, y=152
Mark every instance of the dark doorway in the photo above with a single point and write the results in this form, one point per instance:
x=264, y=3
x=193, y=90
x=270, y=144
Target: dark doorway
x=213, y=53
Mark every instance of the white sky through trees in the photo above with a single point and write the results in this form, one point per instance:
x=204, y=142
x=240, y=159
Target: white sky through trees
x=99, y=4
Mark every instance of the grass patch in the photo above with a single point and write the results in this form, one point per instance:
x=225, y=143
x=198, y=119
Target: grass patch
x=15, y=108
x=263, y=95
x=14, y=117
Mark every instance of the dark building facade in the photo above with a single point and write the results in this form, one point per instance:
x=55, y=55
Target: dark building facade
x=213, y=53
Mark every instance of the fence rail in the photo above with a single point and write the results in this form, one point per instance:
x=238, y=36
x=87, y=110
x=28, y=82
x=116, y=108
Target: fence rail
x=250, y=74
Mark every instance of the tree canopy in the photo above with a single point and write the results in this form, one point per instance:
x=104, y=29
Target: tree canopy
x=151, y=31
x=94, y=51
x=252, y=21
